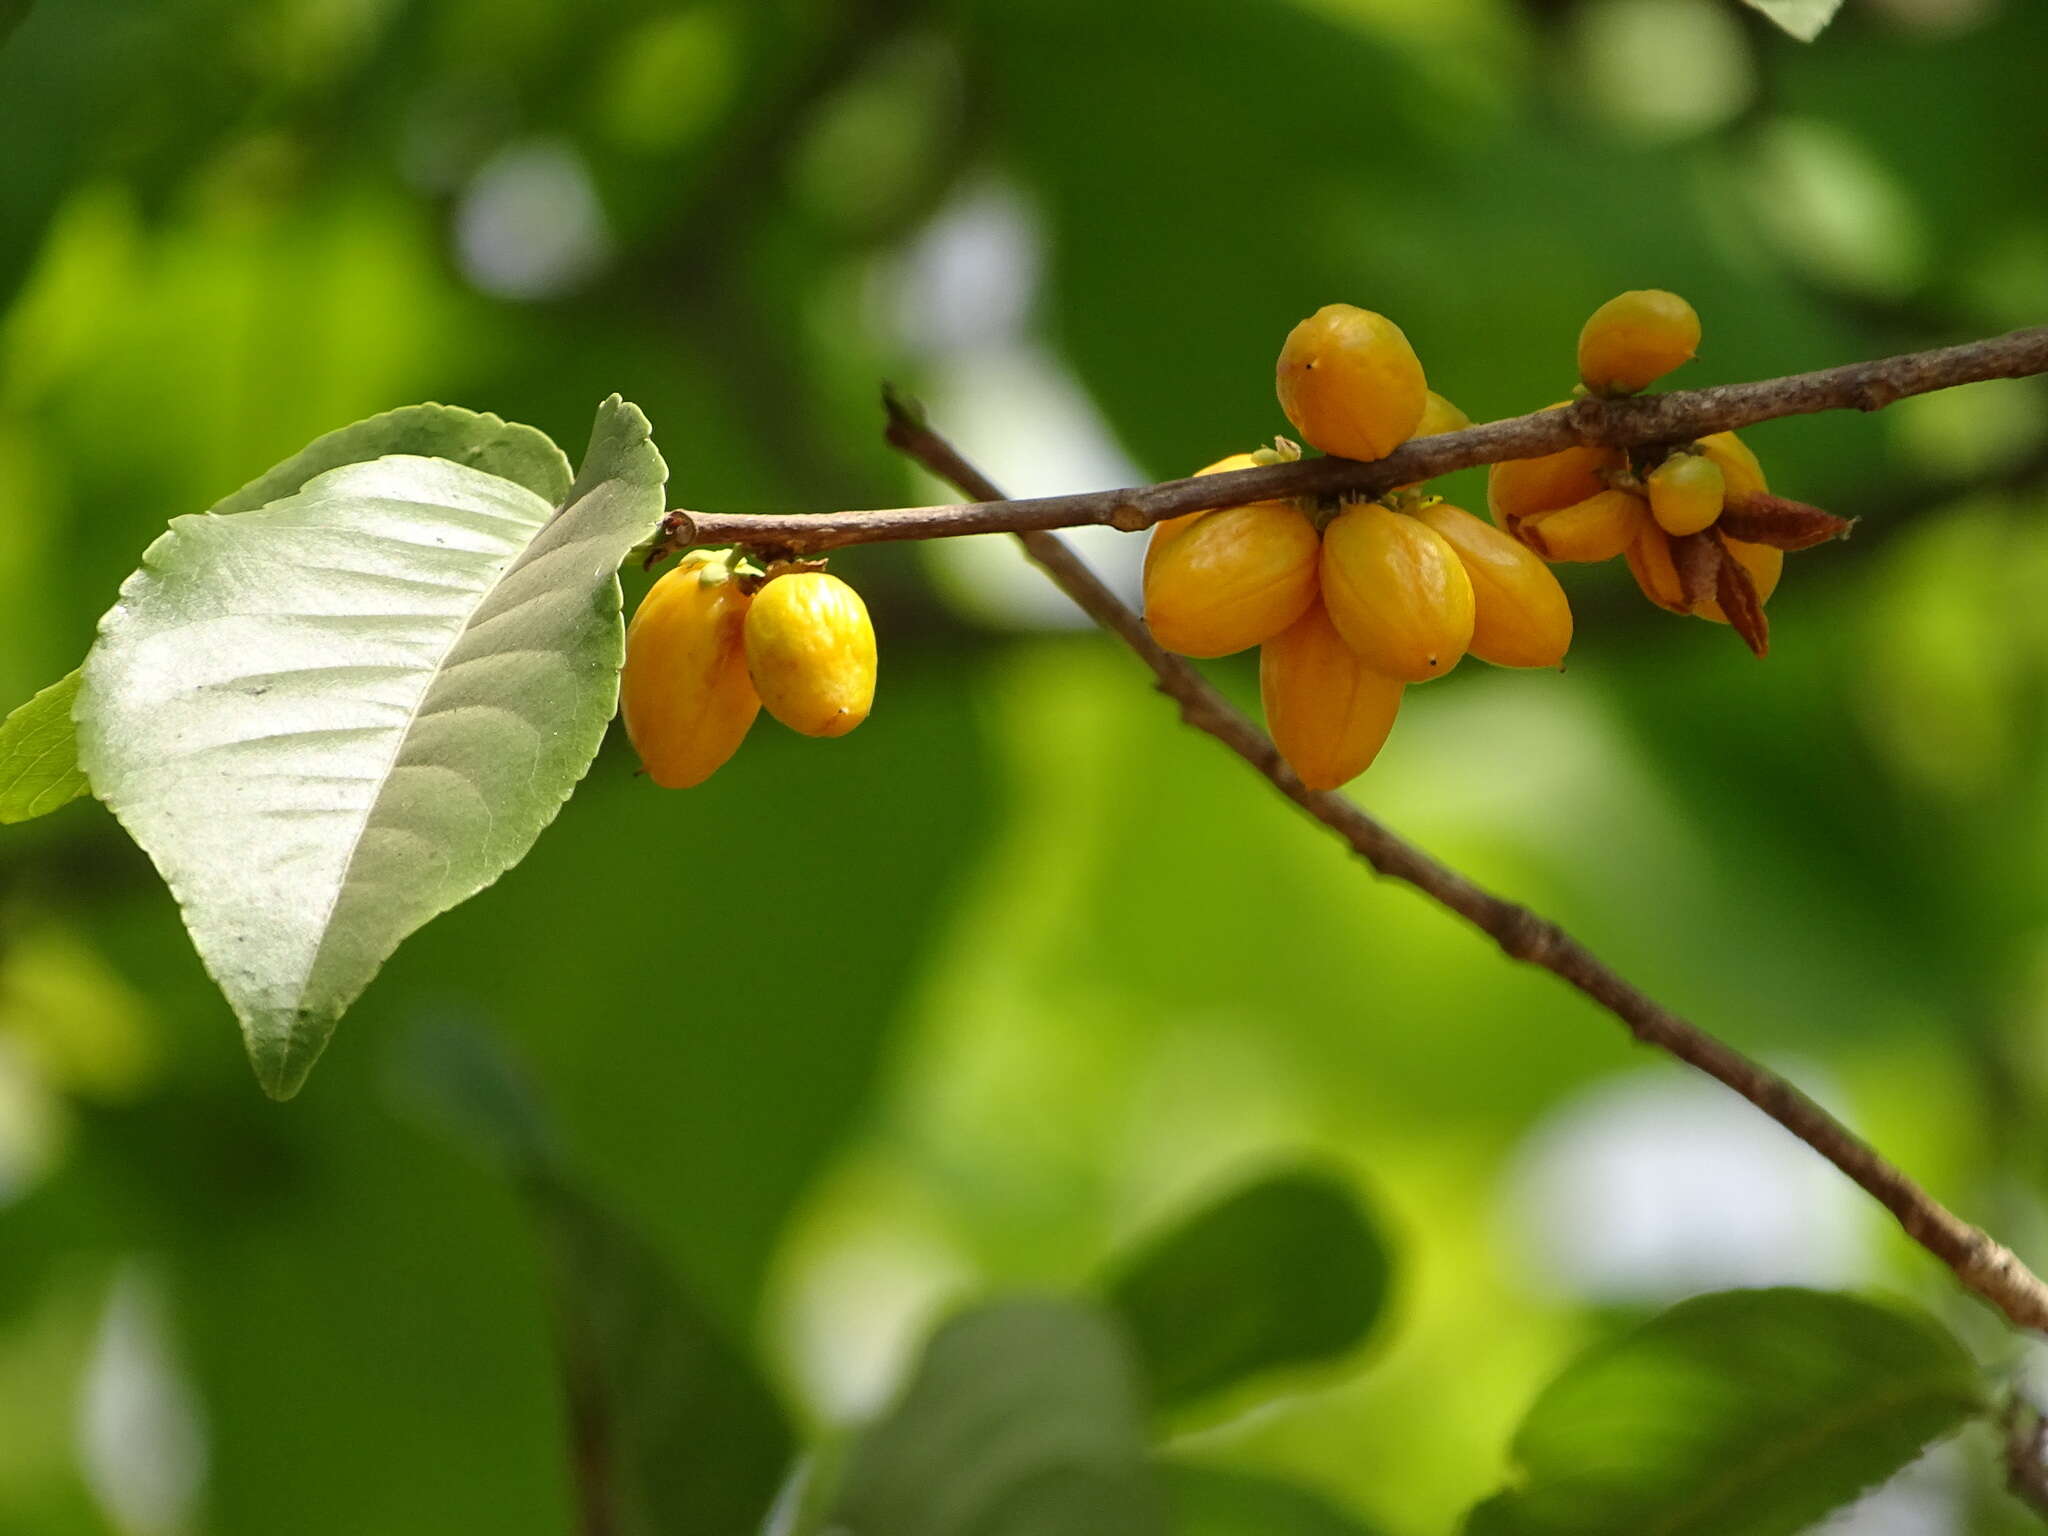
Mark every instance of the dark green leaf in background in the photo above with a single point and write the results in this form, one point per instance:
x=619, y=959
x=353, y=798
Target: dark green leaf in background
x=329, y=720
x=1022, y=1419
x=1742, y=1413
x=39, y=755
x=1286, y=1271
x=12, y=14
x=1213, y=1501
x=671, y=1427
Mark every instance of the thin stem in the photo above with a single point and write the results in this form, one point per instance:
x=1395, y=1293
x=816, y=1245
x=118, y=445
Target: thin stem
x=1677, y=417
x=1982, y=1264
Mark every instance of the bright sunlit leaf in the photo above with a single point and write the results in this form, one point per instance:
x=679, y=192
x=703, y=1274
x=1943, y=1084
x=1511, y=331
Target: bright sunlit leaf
x=331, y=719
x=38, y=756
x=38, y=749
x=1804, y=19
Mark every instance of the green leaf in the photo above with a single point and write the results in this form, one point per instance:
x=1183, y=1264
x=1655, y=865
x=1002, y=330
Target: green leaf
x=1804, y=19
x=1023, y=1419
x=1743, y=1413
x=675, y=1429
x=39, y=755
x=524, y=455
x=12, y=14
x=1285, y=1271
x=329, y=720
x=1212, y=1501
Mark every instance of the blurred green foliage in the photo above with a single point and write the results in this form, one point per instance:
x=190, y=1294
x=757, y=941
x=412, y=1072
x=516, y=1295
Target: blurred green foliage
x=1022, y=971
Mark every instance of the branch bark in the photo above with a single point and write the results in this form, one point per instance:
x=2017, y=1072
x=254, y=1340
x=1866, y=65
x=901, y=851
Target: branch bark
x=1983, y=1265
x=1676, y=417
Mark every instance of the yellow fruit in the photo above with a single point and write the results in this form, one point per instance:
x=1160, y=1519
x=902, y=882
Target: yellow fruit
x=1598, y=528
x=1521, y=487
x=1439, y=415
x=1329, y=713
x=811, y=651
x=1234, y=578
x=1649, y=561
x=1634, y=339
x=1764, y=564
x=1165, y=531
x=1397, y=592
x=1519, y=614
x=1686, y=492
x=684, y=692
x=1350, y=382
x=1741, y=473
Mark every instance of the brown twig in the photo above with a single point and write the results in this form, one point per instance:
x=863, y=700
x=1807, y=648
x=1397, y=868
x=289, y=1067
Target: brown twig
x=1982, y=1264
x=2026, y=1454
x=1677, y=417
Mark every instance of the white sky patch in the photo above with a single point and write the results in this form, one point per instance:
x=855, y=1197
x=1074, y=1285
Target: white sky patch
x=859, y=1311
x=961, y=298
x=1652, y=1187
x=529, y=225
x=1923, y=1500
x=141, y=1440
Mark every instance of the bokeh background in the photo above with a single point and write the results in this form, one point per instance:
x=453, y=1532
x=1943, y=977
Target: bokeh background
x=962, y=1004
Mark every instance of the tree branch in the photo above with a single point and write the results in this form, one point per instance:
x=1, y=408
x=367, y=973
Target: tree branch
x=1982, y=1264
x=2026, y=1454
x=1676, y=417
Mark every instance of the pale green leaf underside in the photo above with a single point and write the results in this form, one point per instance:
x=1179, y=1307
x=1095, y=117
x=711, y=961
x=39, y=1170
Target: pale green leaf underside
x=1804, y=19
x=38, y=757
x=1743, y=1413
x=329, y=720
x=1022, y=1419
x=524, y=455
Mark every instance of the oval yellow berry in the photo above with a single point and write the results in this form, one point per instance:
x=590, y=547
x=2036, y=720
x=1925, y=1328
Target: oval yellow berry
x=1397, y=592
x=1522, y=487
x=1741, y=474
x=1686, y=493
x=1520, y=617
x=1328, y=712
x=1350, y=382
x=684, y=692
x=1166, y=530
x=811, y=651
x=1598, y=528
x=1234, y=578
x=1650, y=562
x=1634, y=339
x=1439, y=415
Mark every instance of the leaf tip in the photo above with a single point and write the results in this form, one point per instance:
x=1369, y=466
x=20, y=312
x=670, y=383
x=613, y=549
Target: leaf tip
x=283, y=1048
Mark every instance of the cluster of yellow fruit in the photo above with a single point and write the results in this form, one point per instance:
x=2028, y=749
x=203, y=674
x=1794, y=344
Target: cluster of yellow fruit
x=1696, y=522
x=717, y=638
x=1350, y=604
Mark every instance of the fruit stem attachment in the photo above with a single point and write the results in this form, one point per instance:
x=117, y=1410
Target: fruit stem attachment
x=1980, y=1263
